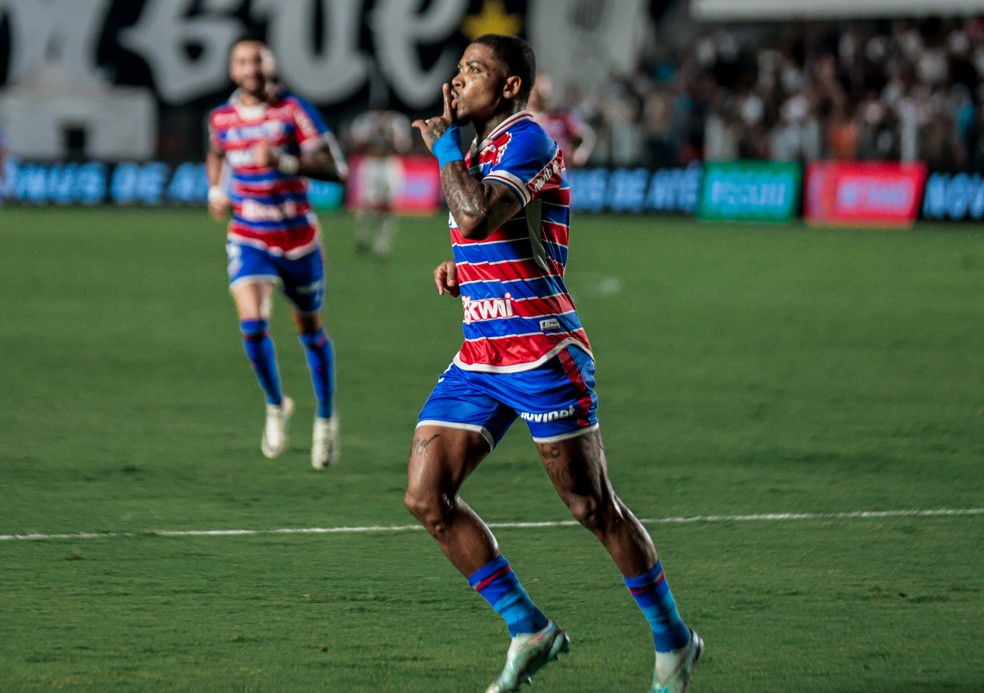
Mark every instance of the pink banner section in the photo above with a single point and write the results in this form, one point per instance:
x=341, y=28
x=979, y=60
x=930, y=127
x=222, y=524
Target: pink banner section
x=863, y=193
x=405, y=184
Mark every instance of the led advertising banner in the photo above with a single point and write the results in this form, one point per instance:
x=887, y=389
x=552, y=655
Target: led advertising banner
x=96, y=182
x=750, y=191
x=151, y=184
x=785, y=10
x=864, y=193
x=954, y=197
x=154, y=183
x=635, y=190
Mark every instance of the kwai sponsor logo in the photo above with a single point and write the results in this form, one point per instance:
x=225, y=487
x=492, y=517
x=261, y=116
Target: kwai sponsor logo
x=256, y=211
x=487, y=308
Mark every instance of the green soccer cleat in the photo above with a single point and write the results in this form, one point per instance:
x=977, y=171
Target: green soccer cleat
x=674, y=668
x=275, y=439
x=528, y=653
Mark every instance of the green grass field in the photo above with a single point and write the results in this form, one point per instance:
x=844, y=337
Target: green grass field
x=762, y=389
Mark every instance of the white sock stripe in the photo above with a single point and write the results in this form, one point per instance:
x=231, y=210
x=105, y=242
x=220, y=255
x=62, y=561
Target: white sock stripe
x=766, y=517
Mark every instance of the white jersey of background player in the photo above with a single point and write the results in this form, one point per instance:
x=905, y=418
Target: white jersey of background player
x=380, y=137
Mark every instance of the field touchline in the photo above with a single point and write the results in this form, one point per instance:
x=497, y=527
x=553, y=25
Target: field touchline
x=765, y=517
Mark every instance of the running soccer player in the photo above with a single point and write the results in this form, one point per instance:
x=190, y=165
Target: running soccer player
x=266, y=139
x=525, y=355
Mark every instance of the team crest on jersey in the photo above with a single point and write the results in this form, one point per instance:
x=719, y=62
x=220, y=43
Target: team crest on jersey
x=493, y=153
x=489, y=155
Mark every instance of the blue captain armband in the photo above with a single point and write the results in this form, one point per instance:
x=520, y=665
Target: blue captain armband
x=447, y=147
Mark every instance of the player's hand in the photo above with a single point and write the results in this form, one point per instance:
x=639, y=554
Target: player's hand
x=431, y=129
x=219, y=204
x=446, y=278
x=264, y=154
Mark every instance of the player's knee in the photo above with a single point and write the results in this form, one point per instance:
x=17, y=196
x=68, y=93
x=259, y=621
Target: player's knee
x=589, y=511
x=412, y=502
x=418, y=503
x=428, y=508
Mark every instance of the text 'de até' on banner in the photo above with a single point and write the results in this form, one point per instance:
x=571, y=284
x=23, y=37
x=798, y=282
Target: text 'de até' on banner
x=864, y=193
x=750, y=191
x=635, y=190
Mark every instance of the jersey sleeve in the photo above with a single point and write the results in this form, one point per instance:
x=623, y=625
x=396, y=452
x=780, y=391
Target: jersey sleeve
x=312, y=131
x=527, y=163
x=214, y=142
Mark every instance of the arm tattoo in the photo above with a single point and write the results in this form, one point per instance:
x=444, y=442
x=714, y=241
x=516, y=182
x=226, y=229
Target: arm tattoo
x=464, y=194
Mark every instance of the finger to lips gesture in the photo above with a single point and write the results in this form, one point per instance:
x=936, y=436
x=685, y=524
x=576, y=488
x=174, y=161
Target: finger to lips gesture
x=431, y=129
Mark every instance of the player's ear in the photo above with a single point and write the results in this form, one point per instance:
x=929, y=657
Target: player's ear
x=511, y=87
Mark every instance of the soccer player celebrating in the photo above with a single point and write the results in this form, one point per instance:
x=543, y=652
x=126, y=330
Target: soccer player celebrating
x=525, y=355
x=268, y=139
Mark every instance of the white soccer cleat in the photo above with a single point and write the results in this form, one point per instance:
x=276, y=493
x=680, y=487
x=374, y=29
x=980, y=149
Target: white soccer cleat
x=528, y=653
x=325, y=446
x=274, y=440
x=674, y=668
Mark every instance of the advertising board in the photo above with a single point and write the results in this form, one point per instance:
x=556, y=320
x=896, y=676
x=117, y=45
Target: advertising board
x=863, y=193
x=954, y=197
x=750, y=191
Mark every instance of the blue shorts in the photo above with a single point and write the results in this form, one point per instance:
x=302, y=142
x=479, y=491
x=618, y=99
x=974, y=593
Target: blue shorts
x=557, y=400
x=303, y=279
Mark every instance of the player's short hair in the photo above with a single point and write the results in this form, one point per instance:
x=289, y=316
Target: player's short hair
x=248, y=38
x=518, y=57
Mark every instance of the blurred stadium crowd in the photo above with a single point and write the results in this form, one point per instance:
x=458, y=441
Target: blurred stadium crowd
x=898, y=89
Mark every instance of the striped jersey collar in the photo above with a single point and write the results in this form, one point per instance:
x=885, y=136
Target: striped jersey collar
x=247, y=112
x=505, y=125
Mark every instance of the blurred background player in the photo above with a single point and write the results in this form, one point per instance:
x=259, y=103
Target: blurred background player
x=379, y=137
x=565, y=127
x=266, y=140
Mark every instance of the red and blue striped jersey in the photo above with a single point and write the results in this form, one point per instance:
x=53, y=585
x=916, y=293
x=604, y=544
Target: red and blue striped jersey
x=270, y=209
x=518, y=312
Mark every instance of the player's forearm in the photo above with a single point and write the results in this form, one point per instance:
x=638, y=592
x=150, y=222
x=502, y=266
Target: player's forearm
x=321, y=165
x=467, y=200
x=213, y=167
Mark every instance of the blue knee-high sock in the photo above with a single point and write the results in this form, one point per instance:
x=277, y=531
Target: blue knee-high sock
x=499, y=585
x=262, y=355
x=321, y=362
x=652, y=593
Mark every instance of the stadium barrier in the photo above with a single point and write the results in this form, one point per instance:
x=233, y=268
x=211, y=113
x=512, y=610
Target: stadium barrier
x=856, y=193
